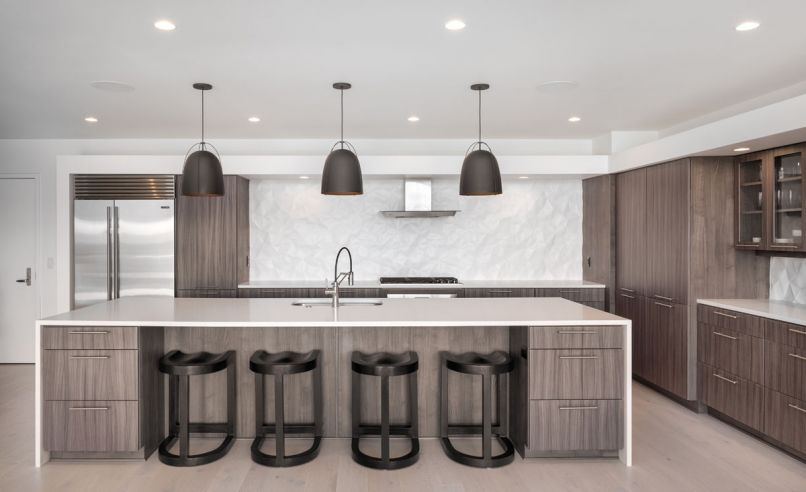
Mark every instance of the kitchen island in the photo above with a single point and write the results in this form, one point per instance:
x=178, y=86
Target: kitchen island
x=568, y=357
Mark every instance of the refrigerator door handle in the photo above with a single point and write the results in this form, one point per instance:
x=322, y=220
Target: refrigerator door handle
x=116, y=273
x=109, y=283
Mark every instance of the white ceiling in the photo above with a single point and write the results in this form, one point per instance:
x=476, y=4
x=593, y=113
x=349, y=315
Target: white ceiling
x=640, y=65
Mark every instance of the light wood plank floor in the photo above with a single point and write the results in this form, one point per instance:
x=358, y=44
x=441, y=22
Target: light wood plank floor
x=675, y=450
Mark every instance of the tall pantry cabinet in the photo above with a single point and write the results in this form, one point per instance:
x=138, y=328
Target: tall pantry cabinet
x=674, y=244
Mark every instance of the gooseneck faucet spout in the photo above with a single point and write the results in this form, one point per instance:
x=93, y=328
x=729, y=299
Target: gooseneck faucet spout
x=338, y=278
x=336, y=265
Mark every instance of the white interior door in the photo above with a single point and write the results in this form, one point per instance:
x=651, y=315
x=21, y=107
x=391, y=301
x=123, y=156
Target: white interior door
x=18, y=309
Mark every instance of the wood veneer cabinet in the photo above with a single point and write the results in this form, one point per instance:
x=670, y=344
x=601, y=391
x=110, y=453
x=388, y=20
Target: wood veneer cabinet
x=770, y=212
x=212, y=241
x=599, y=235
x=674, y=245
x=753, y=372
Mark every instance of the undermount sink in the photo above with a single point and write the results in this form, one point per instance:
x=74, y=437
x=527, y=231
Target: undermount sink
x=342, y=302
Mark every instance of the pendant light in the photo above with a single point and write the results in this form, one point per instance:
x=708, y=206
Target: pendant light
x=202, y=175
x=480, y=172
x=342, y=172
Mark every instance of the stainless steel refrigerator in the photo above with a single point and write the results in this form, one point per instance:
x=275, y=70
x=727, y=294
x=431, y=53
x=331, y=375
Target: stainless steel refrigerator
x=123, y=237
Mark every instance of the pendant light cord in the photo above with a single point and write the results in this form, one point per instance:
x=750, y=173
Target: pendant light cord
x=479, y=117
x=342, y=118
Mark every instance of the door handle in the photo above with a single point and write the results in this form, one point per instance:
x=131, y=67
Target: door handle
x=27, y=279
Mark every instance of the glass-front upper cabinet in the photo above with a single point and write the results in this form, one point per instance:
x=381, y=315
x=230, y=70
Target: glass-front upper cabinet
x=750, y=201
x=787, y=198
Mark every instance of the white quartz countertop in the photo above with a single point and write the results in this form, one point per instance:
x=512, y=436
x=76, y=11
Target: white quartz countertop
x=168, y=311
x=469, y=284
x=778, y=310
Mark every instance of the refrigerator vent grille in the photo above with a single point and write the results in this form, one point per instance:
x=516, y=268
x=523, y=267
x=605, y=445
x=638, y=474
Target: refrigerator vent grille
x=124, y=186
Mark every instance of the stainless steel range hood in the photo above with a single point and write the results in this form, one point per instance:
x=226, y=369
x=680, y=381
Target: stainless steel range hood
x=417, y=202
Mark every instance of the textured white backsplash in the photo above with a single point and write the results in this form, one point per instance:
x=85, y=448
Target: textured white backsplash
x=788, y=279
x=532, y=231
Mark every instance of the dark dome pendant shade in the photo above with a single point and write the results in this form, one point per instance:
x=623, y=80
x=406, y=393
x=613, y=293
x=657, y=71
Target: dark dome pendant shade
x=342, y=172
x=480, y=172
x=202, y=174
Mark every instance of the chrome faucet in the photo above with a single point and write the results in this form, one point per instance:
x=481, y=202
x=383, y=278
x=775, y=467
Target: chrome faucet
x=338, y=278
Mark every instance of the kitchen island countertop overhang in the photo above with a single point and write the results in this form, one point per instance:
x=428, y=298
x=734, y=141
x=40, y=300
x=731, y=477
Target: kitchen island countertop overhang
x=533, y=330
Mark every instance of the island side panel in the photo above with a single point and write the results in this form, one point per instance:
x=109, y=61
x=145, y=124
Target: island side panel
x=208, y=392
x=465, y=390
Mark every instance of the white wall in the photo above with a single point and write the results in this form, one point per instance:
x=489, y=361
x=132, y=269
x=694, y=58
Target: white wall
x=532, y=231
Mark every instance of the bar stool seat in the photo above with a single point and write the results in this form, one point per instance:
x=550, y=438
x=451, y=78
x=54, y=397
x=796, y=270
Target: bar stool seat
x=385, y=365
x=180, y=366
x=498, y=364
x=281, y=364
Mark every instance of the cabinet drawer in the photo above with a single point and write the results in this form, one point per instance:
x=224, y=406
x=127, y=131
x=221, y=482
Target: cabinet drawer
x=578, y=295
x=785, y=369
x=785, y=419
x=541, y=337
x=732, y=320
x=731, y=395
x=784, y=333
x=90, y=374
x=499, y=292
x=575, y=425
x=91, y=426
x=732, y=351
x=283, y=293
x=90, y=337
x=576, y=374
x=207, y=293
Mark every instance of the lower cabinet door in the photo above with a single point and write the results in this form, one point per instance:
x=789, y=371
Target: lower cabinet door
x=731, y=395
x=785, y=419
x=90, y=374
x=785, y=369
x=576, y=374
x=91, y=426
x=575, y=425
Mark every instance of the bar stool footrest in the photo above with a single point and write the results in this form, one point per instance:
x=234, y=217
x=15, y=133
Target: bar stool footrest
x=505, y=458
x=301, y=458
x=169, y=458
x=396, y=463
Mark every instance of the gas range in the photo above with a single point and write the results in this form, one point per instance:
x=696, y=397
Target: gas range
x=419, y=280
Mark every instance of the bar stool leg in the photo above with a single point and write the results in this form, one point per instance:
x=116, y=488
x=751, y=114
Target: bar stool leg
x=413, y=406
x=232, y=402
x=260, y=412
x=173, y=402
x=318, y=404
x=184, y=416
x=443, y=401
x=355, y=398
x=486, y=430
x=279, y=419
x=503, y=408
x=385, y=419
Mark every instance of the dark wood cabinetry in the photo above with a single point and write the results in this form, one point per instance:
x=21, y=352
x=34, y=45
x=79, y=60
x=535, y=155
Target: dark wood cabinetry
x=212, y=241
x=631, y=248
x=753, y=371
x=599, y=235
x=770, y=208
x=498, y=292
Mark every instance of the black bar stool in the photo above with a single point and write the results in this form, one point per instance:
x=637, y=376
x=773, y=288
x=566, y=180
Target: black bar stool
x=179, y=366
x=279, y=365
x=384, y=364
x=498, y=364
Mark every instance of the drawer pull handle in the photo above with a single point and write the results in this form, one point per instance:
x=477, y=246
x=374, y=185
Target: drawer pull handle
x=668, y=306
x=88, y=333
x=725, y=315
x=627, y=296
x=579, y=357
x=724, y=336
x=797, y=408
x=90, y=409
x=797, y=332
x=663, y=298
x=579, y=408
x=561, y=332
x=796, y=356
x=625, y=289
x=723, y=378
x=89, y=356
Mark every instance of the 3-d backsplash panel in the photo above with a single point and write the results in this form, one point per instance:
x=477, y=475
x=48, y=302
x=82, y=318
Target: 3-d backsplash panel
x=532, y=231
x=788, y=279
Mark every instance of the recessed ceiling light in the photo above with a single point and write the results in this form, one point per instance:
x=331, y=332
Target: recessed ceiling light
x=304, y=177
x=91, y=119
x=552, y=86
x=455, y=25
x=165, y=25
x=414, y=118
x=523, y=177
x=254, y=119
x=741, y=149
x=111, y=86
x=575, y=119
x=747, y=26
